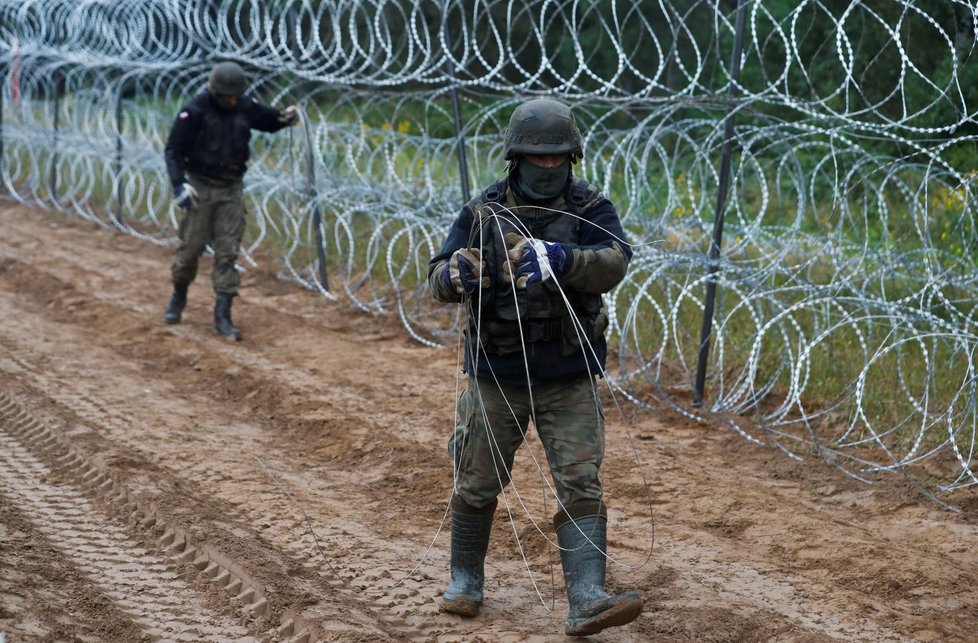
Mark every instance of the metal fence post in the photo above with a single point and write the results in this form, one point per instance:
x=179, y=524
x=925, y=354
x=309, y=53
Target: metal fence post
x=117, y=183
x=53, y=174
x=463, y=166
x=317, y=219
x=724, y=181
x=4, y=70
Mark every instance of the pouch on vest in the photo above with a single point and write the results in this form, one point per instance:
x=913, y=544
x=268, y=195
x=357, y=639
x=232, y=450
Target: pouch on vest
x=222, y=149
x=498, y=338
x=575, y=329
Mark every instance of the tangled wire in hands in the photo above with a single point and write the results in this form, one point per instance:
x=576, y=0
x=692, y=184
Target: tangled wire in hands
x=846, y=323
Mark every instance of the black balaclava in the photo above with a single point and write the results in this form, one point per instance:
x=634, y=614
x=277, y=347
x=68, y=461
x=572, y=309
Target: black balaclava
x=223, y=103
x=541, y=183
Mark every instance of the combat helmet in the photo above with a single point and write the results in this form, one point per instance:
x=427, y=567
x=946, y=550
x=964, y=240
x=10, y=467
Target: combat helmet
x=227, y=79
x=542, y=126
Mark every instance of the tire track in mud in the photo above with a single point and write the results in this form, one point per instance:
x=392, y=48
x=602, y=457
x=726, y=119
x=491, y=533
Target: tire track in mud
x=406, y=609
x=745, y=585
x=238, y=587
x=42, y=593
x=143, y=585
x=348, y=564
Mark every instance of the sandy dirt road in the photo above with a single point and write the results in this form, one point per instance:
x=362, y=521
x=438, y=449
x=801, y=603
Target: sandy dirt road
x=158, y=482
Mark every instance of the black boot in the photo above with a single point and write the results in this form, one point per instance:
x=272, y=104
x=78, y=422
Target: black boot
x=582, y=536
x=177, y=303
x=222, y=318
x=470, y=540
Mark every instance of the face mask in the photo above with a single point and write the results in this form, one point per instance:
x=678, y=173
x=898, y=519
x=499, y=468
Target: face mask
x=542, y=183
x=229, y=103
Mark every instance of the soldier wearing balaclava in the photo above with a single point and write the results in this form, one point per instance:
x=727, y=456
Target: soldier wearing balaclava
x=529, y=258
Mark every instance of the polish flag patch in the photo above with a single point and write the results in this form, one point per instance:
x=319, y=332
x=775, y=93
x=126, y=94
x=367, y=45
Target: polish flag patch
x=183, y=116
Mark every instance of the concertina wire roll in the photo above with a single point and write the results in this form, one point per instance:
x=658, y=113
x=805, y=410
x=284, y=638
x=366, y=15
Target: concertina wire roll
x=845, y=321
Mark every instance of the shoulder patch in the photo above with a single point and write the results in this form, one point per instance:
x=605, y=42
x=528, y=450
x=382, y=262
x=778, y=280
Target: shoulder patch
x=183, y=115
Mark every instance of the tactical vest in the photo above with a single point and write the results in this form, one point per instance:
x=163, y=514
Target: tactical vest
x=221, y=149
x=540, y=309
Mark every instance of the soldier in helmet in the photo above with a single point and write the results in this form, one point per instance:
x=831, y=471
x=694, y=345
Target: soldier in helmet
x=206, y=158
x=531, y=256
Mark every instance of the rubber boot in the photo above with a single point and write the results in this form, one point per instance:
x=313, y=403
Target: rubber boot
x=470, y=540
x=583, y=545
x=177, y=303
x=222, y=318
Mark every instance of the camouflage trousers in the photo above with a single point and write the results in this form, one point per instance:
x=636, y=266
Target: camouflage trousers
x=492, y=421
x=218, y=219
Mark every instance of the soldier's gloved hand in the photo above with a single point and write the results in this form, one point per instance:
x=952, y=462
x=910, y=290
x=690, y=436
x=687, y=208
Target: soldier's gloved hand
x=515, y=243
x=185, y=196
x=465, y=271
x=289, y=115
x=541, y=261
x=514, y=246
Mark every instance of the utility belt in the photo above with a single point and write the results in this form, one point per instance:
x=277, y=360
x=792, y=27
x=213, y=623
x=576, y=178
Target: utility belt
x=502, y=337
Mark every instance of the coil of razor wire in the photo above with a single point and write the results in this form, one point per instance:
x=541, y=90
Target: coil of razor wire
x=845, y=326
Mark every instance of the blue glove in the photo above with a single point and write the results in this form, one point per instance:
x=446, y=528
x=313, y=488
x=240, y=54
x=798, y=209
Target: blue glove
x=464, y=272
x=541, y=261
x=185, y=196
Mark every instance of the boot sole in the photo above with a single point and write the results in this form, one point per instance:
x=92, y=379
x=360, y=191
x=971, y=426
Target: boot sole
x=620, y=614
x=461, y=606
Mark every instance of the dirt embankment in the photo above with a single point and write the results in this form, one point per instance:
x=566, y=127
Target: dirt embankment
x=160, y=482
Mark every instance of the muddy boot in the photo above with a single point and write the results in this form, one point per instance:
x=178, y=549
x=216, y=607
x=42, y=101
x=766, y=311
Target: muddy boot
x=177, y=303
x=222, y=318
x=582, y=536
x=470, y=540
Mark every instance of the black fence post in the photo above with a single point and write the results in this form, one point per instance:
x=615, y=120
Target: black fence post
x=117, y=183
x=53, y=174
x=58, y=83
x=317, y=219
x=4, y=70
x=724, y=181
x=463, y=166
